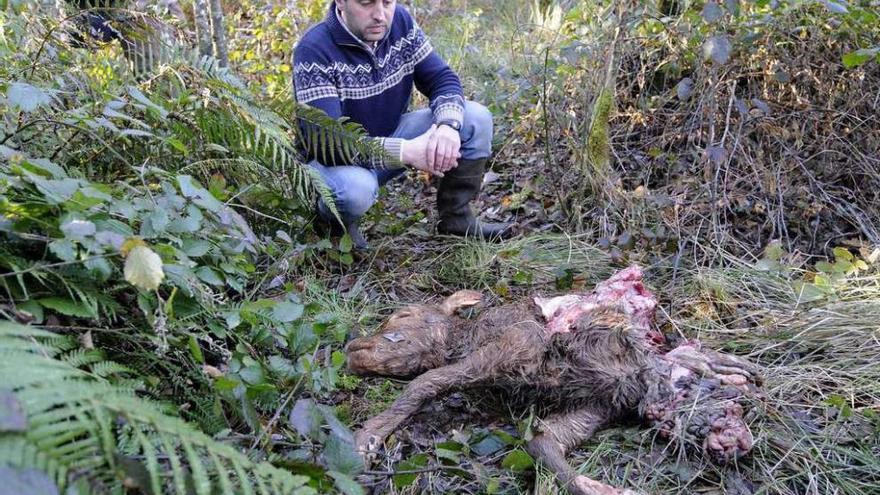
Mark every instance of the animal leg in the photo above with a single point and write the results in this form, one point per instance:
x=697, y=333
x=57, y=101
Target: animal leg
x=559, y=434
x=483, y=365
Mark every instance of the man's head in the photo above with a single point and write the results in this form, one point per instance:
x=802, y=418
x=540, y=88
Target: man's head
x=369, y=20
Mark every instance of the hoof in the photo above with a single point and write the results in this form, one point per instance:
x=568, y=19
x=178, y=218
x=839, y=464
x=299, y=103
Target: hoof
x=367, y=445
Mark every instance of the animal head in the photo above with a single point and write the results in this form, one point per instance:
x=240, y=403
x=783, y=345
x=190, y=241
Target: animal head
x=411, y=341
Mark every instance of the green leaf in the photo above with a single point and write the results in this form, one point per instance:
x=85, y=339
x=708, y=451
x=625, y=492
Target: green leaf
x=100, y=268
x=346, y=484
x=807, y=293
x=287, y=311
x=843, y=254
x=233, y=319
x=159, y=220
x=46, y=167
x=854, y=59
x=345, y=244
x=178, y=145
x=195, y=350
x=825, y=267
x=196, y=247
x=142, y=98
x=64, y=249
x=341, y=456
x=252, y=375
x=67, y=307
x=337, y=359
x=57, y=191
x=27, y=98
x=210, y=276
x=77, y=229
x=518, y=460
x=414, y=463
x=34, y=308
x=199, y=195
x=306, y=419
x=488, y=445
x=449, y=455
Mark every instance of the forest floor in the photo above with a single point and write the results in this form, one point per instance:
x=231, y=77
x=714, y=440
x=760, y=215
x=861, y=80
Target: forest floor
x=718, y=275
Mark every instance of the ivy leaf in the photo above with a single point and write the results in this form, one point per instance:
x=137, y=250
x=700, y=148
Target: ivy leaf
x=287, y=311
x=27, y=98
x=717, y=49
x=346, y=484
x=67, y=307
x=518, y=460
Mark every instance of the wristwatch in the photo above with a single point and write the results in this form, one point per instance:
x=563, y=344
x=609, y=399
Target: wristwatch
x=451, y=123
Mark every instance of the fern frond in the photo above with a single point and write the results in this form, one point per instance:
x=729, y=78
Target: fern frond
x=80, y=426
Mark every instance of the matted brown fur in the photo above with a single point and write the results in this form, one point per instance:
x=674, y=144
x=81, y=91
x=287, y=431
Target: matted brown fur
x=580, y=381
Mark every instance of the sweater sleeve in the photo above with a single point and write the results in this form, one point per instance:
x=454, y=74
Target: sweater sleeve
x=313, y=84
x=436, y=80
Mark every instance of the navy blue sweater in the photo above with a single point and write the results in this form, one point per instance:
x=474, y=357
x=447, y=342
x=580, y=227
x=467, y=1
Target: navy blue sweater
x=335, y=71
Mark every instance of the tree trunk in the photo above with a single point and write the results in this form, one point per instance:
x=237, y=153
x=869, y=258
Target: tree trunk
x=203, y=28
x=219, y=33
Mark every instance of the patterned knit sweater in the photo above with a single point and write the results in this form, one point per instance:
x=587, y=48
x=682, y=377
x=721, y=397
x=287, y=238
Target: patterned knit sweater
x=338, y=73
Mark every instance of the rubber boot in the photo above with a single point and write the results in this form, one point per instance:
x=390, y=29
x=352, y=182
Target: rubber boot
x=457, y=189
x=329, y=224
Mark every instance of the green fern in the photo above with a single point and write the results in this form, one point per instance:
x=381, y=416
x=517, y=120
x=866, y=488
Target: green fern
x=80, y=427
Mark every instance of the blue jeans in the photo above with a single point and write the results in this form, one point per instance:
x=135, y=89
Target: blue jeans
x=355, y=189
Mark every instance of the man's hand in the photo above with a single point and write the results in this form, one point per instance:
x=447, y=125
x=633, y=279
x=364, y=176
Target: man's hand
x=443, y=150
x=436, y=151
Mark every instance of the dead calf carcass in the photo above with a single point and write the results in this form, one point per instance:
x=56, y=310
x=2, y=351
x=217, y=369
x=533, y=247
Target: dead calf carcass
x=587, y=360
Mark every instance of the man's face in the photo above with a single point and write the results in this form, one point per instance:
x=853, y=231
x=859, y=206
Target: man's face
x=369, y=20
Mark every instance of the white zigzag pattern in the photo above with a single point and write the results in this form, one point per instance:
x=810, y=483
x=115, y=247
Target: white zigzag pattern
x=315, y=93
x=340, y=67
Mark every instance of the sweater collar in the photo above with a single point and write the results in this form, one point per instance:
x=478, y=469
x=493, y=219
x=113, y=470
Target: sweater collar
x=342, y=35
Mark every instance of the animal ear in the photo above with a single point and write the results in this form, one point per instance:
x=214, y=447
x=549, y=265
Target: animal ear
x=461, y=299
